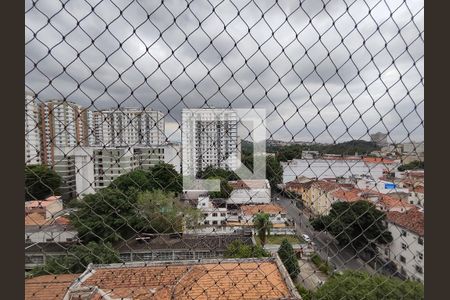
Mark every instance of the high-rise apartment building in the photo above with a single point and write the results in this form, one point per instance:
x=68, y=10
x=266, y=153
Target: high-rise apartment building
x=128, y=127
x=32, y=137
x=209, y=138
x=63, y=124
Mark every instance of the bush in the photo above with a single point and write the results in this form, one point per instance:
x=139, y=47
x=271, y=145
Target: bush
x=289, y=259
x=320, y=263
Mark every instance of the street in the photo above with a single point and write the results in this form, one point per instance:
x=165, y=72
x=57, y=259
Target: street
x=325, y=245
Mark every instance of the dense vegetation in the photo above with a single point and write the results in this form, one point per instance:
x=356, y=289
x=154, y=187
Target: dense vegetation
x=136, y=201
x=361, y=285
x=237, y=249
x=414, y=165
x=262, y=224
x=289, y=259
x=78, y=257
x=41, y=182
x=359, y=224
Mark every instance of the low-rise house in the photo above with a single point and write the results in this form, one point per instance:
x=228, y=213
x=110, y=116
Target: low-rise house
x=417, y=196
x=214, y=210
x=49, y=207
x=250, y=191
x=177, y=246
x=299, y=185
x=48, y=287
x=206, y=279
x=37, y=254
x=277, y=214
x=407, y=247
x=317, y=198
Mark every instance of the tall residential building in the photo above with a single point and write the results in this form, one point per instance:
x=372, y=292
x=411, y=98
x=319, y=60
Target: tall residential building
x=112, y=162
x=75, y=165
x=32, y=137
x=209, y=138
x=63, y=124
x=128, y=127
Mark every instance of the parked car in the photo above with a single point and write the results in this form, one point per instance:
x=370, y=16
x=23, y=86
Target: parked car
x=306, y=238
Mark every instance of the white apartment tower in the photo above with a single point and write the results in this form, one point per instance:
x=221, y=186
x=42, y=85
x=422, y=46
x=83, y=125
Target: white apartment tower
x=63, y=124
x=129, y=127
x=32, y=138
x=209, y=138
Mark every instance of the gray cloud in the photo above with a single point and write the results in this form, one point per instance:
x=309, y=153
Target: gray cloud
x=324, y=74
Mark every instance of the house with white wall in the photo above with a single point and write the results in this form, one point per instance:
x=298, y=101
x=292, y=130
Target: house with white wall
x=407, y=247
x=214, y=210
x=256, y=191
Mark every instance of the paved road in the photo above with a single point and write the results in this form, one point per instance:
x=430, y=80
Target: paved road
x=325, y=245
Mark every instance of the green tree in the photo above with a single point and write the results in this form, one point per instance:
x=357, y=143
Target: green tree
x=212, y=172
x=108, y=215
x=41, y=182
x=137, y=179
x=274, y=171
x=162, y=212
x=289, y=259
x=225, y=189
x=362, y=285
x=164, y=177
x=262, y=224
x=78, y=258
x=414, y=165
x=237, y=249
x=359, y=224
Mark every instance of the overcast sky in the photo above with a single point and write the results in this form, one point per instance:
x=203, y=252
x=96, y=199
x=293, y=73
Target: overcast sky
x=358, y=63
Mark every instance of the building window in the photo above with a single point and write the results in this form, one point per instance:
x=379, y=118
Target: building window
x=402, y=259
x=404, y=246
x=403, y=233
x=420, y=241
x=214, y=214
x=419, y=269
x=420, y=255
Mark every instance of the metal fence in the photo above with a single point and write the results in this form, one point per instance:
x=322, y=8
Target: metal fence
x=224, y=149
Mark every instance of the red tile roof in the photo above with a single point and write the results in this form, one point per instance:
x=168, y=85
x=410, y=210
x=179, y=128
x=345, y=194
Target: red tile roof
x=254, y=279
x=347, y=195
x=412, y=220
x=266, y=208
x=249, y=184
x=48, y=287
x=325, y=185
x=377, y=160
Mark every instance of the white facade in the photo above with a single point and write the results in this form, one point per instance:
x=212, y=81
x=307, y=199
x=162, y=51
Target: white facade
x=406, y=251
x=76, y=167
x=209, y=138
x=211, y=215
x=32, y=136
x=129, y=127
x=111, y=163
x=252, y=192
x=49, y=233
x=63, y=124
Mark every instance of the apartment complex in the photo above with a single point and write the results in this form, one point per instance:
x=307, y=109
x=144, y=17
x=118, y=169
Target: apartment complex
x=32, y=137
x=128, y=127
x=209, y=138
x=85, y=170
x=63, y=124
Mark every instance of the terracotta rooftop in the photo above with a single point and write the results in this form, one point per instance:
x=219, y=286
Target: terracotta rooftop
x=377, y=160
x=39, y=203
x=348, y=196
x=417, y=189
x=37, y=218
x=249, y=184
x=230, y=279
x=412, y=220
x=48, y=287
x=327, y=186
x=265, y=208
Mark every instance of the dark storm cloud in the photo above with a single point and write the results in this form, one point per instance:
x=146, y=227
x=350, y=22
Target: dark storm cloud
x=329, y=74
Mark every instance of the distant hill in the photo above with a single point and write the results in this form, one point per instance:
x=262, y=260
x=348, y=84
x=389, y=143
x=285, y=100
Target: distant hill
x=287, y=151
